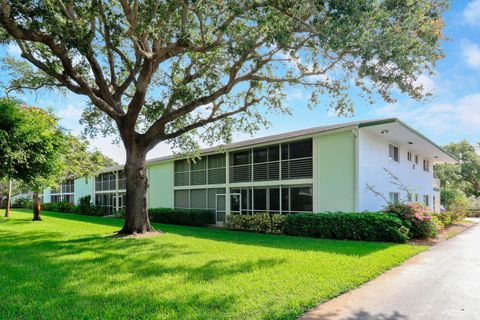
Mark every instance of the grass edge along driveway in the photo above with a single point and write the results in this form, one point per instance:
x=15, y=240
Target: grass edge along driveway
x=67, y=267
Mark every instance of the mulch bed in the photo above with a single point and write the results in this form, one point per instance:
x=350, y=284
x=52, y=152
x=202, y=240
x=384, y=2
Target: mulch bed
x=445, y=234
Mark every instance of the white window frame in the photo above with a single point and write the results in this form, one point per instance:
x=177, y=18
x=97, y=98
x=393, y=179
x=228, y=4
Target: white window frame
x=409, y=156
x=426, y=165
x=392, y=157
x=426, y=200
x=392, y=196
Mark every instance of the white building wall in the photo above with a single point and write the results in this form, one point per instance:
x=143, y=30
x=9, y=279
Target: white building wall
x=373, y=157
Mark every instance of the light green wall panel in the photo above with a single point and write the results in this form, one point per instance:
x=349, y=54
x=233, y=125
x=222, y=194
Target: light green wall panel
x=83, y=187
x=46, y=195
x=335, y=177
x=160, y=179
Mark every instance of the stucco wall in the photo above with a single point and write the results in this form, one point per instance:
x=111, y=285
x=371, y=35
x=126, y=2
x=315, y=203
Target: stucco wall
x=160, y=192
x=373, y=157
x=335, y=172
x=83, y=188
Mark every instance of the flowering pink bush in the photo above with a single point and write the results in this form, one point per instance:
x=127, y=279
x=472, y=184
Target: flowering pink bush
x=415, y=217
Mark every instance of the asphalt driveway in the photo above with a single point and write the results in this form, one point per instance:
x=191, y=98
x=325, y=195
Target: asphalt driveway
x=441, y=283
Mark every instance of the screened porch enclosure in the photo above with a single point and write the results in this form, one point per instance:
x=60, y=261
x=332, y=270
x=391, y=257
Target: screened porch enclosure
x=228, y=182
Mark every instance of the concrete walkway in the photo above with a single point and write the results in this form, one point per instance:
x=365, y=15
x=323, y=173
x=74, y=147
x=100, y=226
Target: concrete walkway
x=441, y=283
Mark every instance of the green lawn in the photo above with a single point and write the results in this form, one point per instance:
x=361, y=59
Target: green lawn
x=66, y=267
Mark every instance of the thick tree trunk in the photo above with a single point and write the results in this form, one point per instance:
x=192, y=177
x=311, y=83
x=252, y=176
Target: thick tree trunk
x=9, y=197
x=36, y=207
x=136, y=215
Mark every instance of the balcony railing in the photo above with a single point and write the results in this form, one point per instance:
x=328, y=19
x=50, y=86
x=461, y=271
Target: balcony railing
x=436, y=184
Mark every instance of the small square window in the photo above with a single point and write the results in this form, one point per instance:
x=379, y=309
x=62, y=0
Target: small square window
x=393, y=153
x=394, y=197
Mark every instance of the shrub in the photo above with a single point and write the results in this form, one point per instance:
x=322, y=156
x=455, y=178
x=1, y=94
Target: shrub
x=414, y=217
x=85, y=204
x=189, y=217
x=455, y=202
x=348, y=226
x=25, y=203
x=258, y=222
x=438, y=222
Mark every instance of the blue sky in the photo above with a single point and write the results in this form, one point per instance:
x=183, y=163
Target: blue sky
x=451, y=114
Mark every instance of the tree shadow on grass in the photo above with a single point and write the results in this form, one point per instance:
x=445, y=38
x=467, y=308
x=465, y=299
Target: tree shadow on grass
x=343, y=247
x=47, y=277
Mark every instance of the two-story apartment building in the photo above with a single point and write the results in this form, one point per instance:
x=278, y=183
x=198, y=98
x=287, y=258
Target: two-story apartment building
x=327, y=168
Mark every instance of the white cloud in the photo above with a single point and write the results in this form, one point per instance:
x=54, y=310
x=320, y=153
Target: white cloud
x=471, y=53
x=461, y=116
x=426, y=82
x=13, y=50
x=469, y=110
x=471, y=13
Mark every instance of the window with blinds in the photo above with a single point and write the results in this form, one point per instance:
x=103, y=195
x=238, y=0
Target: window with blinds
x=197, y=198
x=207, y=170
x=291, y=160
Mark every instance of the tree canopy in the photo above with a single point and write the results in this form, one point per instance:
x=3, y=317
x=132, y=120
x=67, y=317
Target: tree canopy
x=173, y=70
x=37, y=152
x=464, y=176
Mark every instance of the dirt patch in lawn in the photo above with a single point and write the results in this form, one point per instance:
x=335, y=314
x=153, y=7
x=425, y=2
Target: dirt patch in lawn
x=445, y=234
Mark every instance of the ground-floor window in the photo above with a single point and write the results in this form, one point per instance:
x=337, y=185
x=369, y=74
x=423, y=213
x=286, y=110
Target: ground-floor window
x=394, y=197
x=62, y=198
x=197, y=198
x=426, y=200
x=108, y=200
x=275, y=199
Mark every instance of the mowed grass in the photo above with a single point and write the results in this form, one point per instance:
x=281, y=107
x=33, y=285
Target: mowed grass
x=67, y=267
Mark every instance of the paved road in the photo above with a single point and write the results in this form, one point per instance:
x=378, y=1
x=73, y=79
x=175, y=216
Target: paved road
x=441, y=283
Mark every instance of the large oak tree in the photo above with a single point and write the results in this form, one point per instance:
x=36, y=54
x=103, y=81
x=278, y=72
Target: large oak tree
x=172, y=70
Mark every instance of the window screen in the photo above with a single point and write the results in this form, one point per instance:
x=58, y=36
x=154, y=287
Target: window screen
x=181, y=198
x=198, y=199
x=301, y=199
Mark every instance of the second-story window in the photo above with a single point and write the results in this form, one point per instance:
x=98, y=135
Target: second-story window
x=206, y=170
x=409, y=156
x=393, y=153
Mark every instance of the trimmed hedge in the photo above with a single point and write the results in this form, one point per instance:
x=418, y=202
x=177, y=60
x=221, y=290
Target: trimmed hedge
x=259, y=222
x=66, y=207
x=188, y=217
x=347, y=226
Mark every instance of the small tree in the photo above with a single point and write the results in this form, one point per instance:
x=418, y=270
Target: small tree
x=34, y=148
x=171, y=70
x=38, y=153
